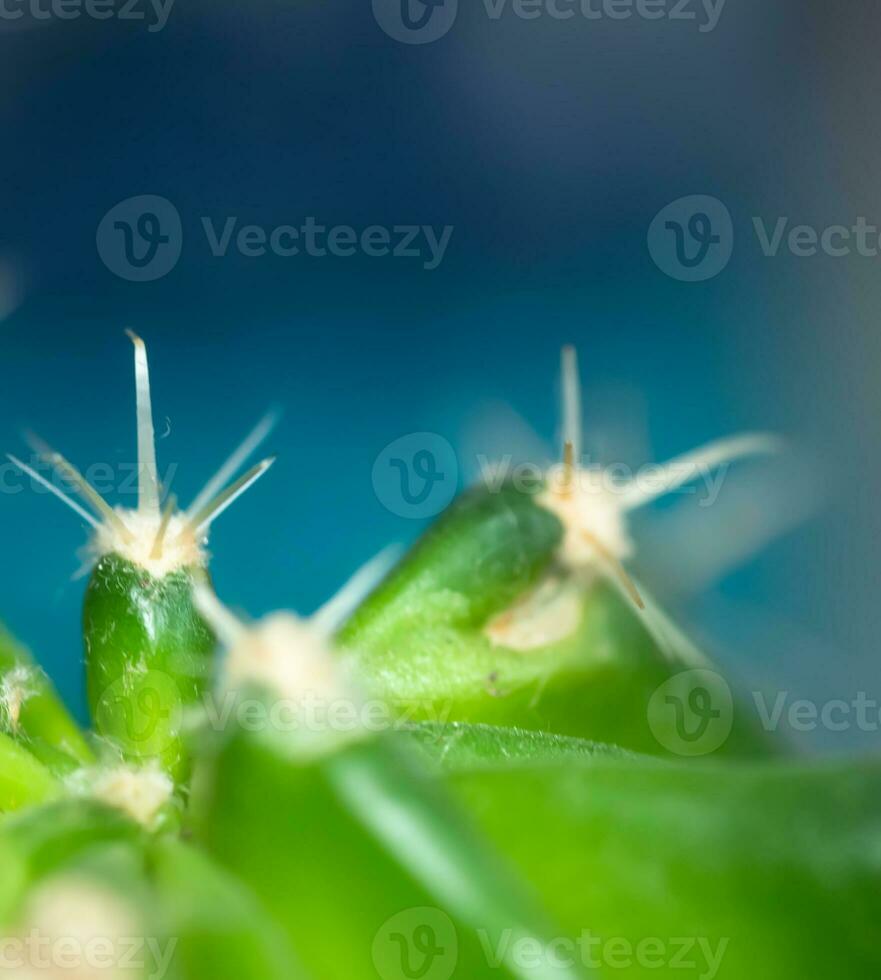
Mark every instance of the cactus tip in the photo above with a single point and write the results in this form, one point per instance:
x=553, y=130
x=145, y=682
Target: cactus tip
x=163, y=540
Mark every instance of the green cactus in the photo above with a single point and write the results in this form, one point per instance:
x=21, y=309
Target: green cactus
x=514, y=608
x=147, y=653
x=482, y=773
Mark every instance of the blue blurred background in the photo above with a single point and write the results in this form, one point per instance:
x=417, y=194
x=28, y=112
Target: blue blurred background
x=549, y=146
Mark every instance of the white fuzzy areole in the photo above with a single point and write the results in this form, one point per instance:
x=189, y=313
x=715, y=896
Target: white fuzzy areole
x=180, y=548
x=139, y=793
x=590, y=506
x=156, y=537
x=548, y=614
x=287, y=655
x=17, y=686
x=312, y=709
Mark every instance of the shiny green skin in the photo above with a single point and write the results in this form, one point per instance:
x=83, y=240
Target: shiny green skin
x=12, y=880
x=780, y=858
x=81, y=843
x=51, y=838
x=24, y=780
x=222, y=931
x=337, y=847
x=148, y=654
x=219, y=929
x=44, y=723
x=417, y=641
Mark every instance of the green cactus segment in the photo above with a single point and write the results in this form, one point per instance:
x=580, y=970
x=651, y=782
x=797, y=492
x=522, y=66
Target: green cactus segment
x=365, y=864
x=421, y=640
x=146, y=649
x=93, y=916
x=503, y=613
x=52, y=837
x=148, y=654
x=190, y=918
x=222, y=931
x=458, y=745
x=32, y=711
x=479, y=557
x=12, y=880
x=24, y=780
x=773, y=867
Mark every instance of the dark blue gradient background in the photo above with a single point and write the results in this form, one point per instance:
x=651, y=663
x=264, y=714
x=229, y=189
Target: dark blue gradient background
x=549, y=146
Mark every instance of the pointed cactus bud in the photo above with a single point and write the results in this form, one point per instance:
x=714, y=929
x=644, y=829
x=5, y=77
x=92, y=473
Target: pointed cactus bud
x=147, y=650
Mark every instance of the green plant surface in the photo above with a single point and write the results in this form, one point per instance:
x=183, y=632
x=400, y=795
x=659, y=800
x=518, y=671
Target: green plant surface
x=147, y=651
x=12, y=880
x=148, y=656
x=24, y=780
x=99, y=896
x=33, y=711
x=419, y=641
x=459, y=744
x=779, y=862
x=542, y=808
x=197, y=914
x=354, y=847
x=51, y=837
x=221, y=930
x=56, y=760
